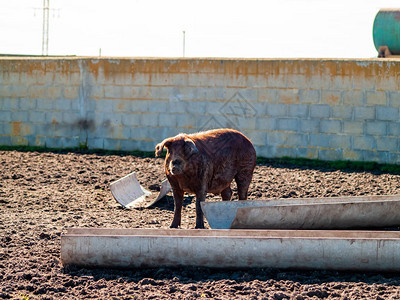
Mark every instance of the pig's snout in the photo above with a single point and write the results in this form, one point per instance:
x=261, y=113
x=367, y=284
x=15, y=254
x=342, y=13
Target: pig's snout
x=176, y=166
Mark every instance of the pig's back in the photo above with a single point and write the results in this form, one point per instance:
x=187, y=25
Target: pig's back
x=224, y=144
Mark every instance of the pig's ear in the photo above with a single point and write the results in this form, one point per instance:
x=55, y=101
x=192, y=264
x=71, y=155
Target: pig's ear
x=159, y=148
x=190, y=147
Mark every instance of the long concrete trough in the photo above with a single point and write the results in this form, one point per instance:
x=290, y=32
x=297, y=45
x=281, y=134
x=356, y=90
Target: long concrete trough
x=305, y=213
x=287, y=249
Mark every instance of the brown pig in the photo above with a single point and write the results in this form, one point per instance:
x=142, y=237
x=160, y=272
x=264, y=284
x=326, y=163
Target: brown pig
x=207, y=162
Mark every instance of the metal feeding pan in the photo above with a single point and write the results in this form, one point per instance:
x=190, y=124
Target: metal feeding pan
x=129, y=193
x=299, y=249
x=305, y=213
x=164, y=190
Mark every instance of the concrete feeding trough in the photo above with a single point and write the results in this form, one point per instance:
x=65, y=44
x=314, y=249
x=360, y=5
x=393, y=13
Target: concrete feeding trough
x=293, y=249
x=129, y=193
x=305, y=213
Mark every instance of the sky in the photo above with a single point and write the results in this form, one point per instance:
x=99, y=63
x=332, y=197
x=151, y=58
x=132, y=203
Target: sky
x=213, y=28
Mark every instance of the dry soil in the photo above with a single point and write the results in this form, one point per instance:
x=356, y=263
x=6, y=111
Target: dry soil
x=42, y=194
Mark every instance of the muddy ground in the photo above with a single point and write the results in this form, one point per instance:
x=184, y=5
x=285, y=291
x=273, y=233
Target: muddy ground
x=42, y=194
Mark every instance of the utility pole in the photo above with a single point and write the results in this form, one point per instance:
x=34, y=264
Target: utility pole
x=46, y=19
x=184, y=37
x=45, y=32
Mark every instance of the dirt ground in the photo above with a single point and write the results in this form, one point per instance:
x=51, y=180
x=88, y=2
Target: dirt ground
x=42, y=194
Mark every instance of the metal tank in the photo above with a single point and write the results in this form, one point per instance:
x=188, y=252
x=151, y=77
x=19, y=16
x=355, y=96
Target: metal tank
x=386, y=30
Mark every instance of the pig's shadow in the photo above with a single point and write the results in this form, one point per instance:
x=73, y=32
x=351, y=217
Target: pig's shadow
x=167, y=202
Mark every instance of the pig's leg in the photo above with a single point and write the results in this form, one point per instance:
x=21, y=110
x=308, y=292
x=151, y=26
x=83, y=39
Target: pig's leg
x=178, y=202
x=243, y=183
x=200, y=197
x=226, y=194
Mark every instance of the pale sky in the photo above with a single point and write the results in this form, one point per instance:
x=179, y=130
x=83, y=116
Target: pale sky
x=214, y=28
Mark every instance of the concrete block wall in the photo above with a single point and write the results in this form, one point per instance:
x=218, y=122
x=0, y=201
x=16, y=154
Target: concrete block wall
x=326, y=109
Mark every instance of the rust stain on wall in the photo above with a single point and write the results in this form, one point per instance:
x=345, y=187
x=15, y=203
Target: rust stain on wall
x=16, y=128
x=19, y=129
x=332, y=98
x=112, y=68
